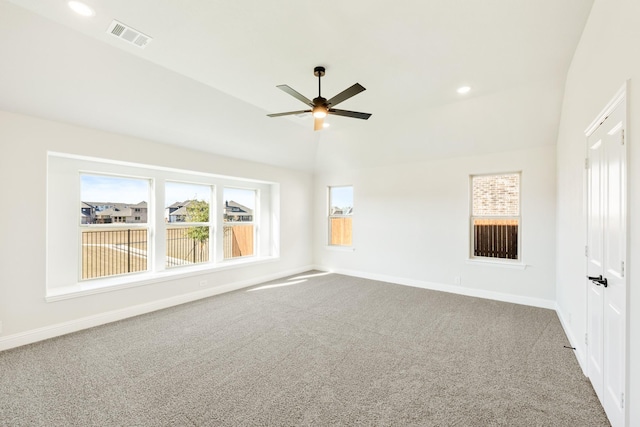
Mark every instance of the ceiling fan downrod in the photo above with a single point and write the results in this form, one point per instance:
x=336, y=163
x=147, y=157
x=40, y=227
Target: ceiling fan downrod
x=319, y=72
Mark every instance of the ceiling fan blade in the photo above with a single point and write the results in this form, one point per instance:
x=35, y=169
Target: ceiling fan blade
x=345, y=113
x=318, y=124
x=295, y=94
x=346, y=94
x=289, y=113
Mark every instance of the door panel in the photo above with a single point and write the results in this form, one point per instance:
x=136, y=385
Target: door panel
x=606, y=239
x=595, y=263
x=595, y=350
x=615, y=255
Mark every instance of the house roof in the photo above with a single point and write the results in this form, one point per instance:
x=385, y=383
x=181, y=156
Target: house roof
x=232, y=204
x=224, y=60
x=180, y=211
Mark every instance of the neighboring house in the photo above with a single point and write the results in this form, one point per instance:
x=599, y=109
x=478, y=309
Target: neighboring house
x=177, y=212
x=341, y=211
x=234, y=211
x=87, y=213
x=109, y=213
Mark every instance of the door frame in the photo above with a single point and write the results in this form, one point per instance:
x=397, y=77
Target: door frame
x=620, y=98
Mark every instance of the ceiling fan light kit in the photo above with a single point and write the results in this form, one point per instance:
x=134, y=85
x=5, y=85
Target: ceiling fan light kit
x=321, y=107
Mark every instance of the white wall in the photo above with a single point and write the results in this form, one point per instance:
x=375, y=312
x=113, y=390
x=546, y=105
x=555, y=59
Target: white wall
x=24, y=143
x=411, y=225
x=606, y=57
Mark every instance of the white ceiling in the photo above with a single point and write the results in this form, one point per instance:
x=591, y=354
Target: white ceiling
x=208, y=78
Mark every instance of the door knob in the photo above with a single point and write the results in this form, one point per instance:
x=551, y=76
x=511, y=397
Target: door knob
x=598, y=280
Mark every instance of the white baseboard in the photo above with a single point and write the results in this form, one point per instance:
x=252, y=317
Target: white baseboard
x=579, y=349
x=460, y=290
x=39, y=334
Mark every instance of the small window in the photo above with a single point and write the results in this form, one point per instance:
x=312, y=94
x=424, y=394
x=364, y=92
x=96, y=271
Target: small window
x=111, y=244
x=495, y=216
x=239, y=229
x=188, y=223
x=340, y=215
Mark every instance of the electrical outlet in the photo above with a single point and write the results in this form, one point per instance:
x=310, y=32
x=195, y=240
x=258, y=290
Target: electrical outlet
x=456, y=280
x=203, y=283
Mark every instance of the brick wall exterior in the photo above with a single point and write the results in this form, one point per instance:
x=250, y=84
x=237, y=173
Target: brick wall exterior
x=496, y=195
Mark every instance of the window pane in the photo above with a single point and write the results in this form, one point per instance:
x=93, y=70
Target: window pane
x=187, y=245
x=186, y=203
x=239, y=207
x=238, y=241
x=340, y=212
x=109, y=199
x=341, y=200
x=341, y=231
x=113, y=252
x=495, y=238
x=496, y=195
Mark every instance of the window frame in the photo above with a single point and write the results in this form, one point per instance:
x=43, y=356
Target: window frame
x=183, y=224
x=115, y=225
x=331, y=216
x=255, y=222
x=488, y=259
x=64, y=218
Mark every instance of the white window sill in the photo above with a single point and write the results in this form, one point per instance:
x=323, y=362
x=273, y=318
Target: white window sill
x=99, y=286
x=500, y=264
x=337, y=248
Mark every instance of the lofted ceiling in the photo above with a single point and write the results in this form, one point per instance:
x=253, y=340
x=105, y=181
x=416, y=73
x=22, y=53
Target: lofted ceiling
x=208, y=78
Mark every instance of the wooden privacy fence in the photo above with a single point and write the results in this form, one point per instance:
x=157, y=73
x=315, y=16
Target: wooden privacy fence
x=495, y=238
x=237, y=241
x=341, y=231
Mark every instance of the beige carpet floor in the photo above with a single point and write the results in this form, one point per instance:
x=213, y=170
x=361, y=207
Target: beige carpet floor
x=313, y=349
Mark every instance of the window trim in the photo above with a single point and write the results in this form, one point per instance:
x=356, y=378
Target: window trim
x=475, y=259
x=63, y=255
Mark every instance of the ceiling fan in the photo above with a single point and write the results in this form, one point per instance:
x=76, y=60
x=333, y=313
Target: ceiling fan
x=320, y=106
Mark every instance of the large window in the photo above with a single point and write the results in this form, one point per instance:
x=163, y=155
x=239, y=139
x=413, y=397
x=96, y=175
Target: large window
x=495, y=216
x=113, y=225
x=340, y=215
x=239, y=218
x=122, y=224
x=188, y=223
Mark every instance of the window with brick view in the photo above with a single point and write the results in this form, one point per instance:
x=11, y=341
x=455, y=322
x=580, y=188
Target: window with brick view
x=495, y=216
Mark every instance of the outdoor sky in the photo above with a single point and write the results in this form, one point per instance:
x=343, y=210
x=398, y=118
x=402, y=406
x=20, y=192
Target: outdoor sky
x=99, y=188
x=342, y=197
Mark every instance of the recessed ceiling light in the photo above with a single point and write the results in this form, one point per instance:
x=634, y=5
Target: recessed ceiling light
x=463, y=89
x=81, y=8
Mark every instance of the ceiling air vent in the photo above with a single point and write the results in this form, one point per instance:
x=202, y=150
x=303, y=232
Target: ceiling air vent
x=128, y=34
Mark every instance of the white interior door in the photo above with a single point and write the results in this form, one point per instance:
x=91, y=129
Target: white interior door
x=595, y=262
x=606, y=240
